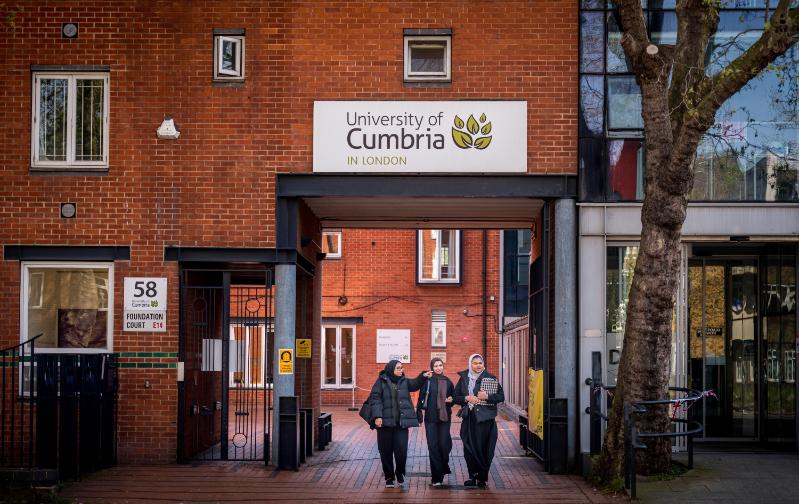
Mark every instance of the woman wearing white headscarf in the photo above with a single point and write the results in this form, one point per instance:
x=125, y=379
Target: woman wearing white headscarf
x=478, y=392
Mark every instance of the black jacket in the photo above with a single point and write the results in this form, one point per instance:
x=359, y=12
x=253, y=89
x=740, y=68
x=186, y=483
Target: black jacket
x=383, y=407
x=484, y=413
x=431, y=406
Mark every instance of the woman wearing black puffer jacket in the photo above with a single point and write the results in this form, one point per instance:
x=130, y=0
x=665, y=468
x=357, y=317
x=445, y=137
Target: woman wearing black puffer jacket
x=392, y=414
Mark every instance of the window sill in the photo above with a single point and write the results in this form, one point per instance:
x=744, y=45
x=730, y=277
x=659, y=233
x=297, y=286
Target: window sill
x=233, y=83
x=337, y=387
x=81, y=171
x=427, y=84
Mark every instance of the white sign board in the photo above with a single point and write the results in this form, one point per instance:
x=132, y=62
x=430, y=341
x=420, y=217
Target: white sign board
x=393, y=344
x=420, y=137
x=145, y=304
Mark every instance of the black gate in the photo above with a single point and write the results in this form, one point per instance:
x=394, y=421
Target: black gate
x=58, y=412
x=226, y=340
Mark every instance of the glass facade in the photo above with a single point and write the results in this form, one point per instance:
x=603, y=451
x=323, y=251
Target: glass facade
x=751, y=153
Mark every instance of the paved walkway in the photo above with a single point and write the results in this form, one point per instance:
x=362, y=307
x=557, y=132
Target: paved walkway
x=767, y=477
x=347, y=471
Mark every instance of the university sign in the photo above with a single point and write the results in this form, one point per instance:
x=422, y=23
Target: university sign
x=420, y=137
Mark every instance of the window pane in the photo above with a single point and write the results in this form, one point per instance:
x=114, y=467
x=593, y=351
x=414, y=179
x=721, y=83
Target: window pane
x=624, y=104
x=438, y=255
x=71, y=309
x=229, y=48
x=428, y=58
x=347, y=360
x=429, y=254
x=592, y=38
x=592, y=186
x=620, y=267
x=53, y=120
x=447, y=259
x=522, y=271
x=329, y=346
x=330, y=243
x=89, y=120
x=592, y=103
x=663, y=27
x=256, y=349
x=523, y=241
x=625, y=170
x=617, y=61
x=592, y=4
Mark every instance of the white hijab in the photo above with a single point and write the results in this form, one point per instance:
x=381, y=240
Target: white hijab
x=472, y=375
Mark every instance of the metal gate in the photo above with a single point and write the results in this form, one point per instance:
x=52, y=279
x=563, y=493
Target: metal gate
x=226, y=341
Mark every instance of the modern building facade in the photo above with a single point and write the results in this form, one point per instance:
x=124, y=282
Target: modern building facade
x=735, y=326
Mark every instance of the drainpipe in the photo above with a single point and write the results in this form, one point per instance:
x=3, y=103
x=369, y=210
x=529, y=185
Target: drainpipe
x=485, y=294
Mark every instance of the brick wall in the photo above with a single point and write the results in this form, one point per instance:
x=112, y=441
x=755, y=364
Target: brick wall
x=214, y=187
x=381, y=288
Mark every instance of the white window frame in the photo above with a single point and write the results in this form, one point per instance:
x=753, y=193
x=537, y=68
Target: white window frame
x=24, y=292
x=436, y=258
x=219, y=72
x=71, y=79
x=438, y=322
x=331, y=255
x=429, y=41
x=248, y=384
x=338, y=384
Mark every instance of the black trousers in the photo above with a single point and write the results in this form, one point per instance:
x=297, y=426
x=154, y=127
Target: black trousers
x=392, y=443
x=479, y=441
x=439, y=444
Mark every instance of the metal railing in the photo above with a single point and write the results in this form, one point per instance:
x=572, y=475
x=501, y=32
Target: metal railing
x=633, y=439
x=17, y=415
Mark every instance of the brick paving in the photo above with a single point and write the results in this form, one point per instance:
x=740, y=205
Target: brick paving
x=347, y=471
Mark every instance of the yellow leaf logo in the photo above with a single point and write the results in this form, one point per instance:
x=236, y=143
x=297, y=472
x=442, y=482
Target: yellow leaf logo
x=467, y=135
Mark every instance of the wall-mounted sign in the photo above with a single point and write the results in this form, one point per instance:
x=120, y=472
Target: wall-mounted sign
x=393, y=344
x=145, y=304
x=415, y=137
x=439, y=355
x=286, y=363
x=303, y=348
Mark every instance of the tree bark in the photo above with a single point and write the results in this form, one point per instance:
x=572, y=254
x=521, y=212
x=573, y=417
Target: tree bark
x=676, y=112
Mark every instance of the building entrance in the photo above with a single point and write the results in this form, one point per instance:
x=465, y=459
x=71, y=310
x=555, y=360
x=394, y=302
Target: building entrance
x=741, y=345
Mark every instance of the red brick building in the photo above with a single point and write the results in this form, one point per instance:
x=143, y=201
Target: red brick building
x=94, y=195
x=374, y=286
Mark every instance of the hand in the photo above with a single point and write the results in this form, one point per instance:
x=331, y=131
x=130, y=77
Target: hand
x=448, y=400
x=428, y=374
x=379, y=422
x=472, y=399
x=482, y=395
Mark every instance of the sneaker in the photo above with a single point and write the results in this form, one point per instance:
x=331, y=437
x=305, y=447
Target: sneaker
x=400, y=478
x=437, y=484
x=390, y=483
x=470, y=483
x=481, y=484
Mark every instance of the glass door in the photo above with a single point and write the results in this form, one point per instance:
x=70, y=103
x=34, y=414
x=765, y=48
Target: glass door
x=722, y=321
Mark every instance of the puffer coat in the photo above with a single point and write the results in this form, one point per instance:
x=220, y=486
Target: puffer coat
x=383, y=407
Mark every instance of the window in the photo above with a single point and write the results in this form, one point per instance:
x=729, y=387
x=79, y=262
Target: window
x=338, y=356
x=247, y=355
x=438, y=256
x=70, y=305
x=229, y=55
x=427, y=58
x=70, y=121
x=439, y=328
x=331, y=244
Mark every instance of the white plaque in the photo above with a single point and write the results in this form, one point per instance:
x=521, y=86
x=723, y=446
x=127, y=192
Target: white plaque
x=394, y=344
x=145, y=304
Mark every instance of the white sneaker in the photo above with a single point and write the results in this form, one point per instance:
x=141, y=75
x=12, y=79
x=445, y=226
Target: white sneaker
x=437, y=484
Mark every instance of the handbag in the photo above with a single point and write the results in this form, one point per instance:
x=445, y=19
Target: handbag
x=422, y=403
x=366, y=412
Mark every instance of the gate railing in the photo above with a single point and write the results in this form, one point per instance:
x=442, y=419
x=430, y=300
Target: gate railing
x=58, y=412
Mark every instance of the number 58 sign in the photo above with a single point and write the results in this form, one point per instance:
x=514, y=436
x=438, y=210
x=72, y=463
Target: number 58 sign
x=145, y=304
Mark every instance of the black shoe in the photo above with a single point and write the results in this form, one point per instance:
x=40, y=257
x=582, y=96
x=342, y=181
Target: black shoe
x=389, y=483
x=470, y=483
x=400, y=478
x=481, y=484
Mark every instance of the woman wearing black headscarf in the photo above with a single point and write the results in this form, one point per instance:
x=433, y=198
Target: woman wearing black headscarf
x=392, y=415
x=436, y=401
x=478, y=392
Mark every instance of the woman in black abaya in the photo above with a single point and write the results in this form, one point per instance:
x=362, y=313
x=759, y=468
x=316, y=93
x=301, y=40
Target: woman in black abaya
x=436, y=401
x=478, y=392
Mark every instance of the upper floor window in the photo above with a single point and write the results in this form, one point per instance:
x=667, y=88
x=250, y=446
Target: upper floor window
x=70, y=120
x=427, y=55
x=439, y=256
x=229, y=55
x=331, y=244
x=70, y=304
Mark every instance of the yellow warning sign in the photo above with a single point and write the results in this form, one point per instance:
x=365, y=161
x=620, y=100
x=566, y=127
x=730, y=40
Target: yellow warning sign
x=303, y=348
x=286, y=361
